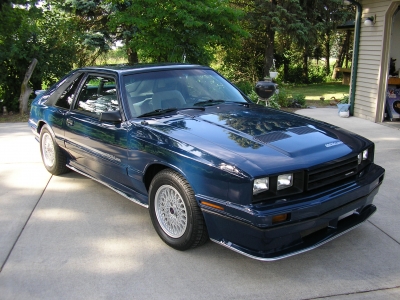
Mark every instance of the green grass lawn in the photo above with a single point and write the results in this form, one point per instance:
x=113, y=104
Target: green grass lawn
x=316, y=91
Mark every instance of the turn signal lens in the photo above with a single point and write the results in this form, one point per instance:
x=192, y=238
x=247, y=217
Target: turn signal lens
x=279, y=218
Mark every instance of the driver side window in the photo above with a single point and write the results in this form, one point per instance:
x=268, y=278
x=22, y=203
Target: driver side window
x=98, y=94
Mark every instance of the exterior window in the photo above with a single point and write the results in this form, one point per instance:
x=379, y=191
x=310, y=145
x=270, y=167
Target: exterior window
x=67, y=96
x=98, y=95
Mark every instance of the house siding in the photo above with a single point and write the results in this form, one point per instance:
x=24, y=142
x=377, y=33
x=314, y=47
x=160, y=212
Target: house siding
x=371, y=62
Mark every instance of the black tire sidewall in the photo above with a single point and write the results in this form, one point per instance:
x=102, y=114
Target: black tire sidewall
x=168, y=178
x=59, y=165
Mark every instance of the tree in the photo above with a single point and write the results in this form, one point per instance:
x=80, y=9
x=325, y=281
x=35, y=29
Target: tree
x=17, y=32
x=88, y=22
x=174, y=30
x=289, y=31
x=28, y=32
x=264, y=19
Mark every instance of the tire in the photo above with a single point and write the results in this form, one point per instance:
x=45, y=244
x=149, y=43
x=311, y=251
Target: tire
x=53, y=157
x=174, y=212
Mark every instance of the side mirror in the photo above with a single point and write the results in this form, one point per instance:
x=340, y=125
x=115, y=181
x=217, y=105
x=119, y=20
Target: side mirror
x=265, y=89
x=111, y=116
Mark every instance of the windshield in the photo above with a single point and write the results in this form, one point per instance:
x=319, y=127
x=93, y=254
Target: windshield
x=177, y=89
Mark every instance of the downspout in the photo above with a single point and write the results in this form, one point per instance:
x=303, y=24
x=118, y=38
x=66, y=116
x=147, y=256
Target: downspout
x=354, y=64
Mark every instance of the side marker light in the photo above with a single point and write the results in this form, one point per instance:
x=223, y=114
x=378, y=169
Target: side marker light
x=212, y=205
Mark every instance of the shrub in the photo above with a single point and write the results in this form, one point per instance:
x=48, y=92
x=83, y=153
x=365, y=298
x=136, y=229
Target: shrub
x=316, y=74
x=273, y=103
x=299, y=100
x=253, y=96
x=345, y=99
x=281, y=98
x=245, y=86
x=295, y=74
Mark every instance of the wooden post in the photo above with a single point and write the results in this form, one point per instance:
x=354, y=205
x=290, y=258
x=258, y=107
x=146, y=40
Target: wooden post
x=26, y=89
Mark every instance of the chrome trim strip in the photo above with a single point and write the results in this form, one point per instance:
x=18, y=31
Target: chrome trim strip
x=95, y=152
x=109, y=186
x=229, y=246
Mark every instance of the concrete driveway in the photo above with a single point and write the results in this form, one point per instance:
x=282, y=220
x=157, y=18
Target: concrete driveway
x=69, y=237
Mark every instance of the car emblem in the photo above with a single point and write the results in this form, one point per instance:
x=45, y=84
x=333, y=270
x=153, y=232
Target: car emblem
x=333, y=144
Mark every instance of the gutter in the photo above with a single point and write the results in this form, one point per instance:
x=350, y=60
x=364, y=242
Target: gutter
x=354, y=64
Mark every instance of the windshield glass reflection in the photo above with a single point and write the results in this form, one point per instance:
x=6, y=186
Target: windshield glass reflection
x=178, y=89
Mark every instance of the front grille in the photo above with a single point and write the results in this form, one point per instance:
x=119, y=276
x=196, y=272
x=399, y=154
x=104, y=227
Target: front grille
x=334, y=172
x=315, y=179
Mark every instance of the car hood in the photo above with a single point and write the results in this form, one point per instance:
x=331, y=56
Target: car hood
x=255, y=139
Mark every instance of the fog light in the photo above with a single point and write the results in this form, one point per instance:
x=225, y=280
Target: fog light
x=285, y=181
x=279, y=218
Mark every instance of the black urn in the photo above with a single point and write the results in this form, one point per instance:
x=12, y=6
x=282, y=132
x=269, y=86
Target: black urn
x=265, y=89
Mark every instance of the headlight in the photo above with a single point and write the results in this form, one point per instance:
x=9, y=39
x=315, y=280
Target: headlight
x=365, y=154
x=362, y=156
x=261, y=185
x=285, y=181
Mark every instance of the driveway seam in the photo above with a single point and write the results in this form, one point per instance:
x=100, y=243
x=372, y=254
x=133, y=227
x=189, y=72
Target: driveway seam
x=397, y=242
x=353, y=293
x=26, y=222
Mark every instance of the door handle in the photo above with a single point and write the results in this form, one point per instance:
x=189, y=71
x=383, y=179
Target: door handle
x=70, y=122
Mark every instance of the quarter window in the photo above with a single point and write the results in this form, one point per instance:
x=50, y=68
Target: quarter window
x=67, y=96
x=98, y=95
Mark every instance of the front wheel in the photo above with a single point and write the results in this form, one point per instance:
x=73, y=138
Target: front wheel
x=54, y=159
x=174, y=212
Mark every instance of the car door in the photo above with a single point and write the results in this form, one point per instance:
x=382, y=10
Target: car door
x=59, y=103
x=97, y=147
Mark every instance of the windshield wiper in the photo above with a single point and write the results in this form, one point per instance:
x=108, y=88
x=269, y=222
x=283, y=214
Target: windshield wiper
x=158, y=112
x=208, y=102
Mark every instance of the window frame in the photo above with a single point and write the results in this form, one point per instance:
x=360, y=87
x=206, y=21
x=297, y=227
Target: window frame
x=81, y=87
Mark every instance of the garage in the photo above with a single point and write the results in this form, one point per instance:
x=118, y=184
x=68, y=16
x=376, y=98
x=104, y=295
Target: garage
x=375, y=82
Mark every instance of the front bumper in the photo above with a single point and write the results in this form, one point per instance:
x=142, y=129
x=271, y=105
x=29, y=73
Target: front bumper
x=313, y=222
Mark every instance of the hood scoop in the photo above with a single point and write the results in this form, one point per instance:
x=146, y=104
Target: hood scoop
x=280, y=135
x=271, y=137
x=302, y=130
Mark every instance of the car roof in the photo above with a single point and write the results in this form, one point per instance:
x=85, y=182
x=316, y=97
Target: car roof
x=141, y=67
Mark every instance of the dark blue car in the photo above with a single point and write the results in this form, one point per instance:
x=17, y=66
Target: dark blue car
x=206, y=161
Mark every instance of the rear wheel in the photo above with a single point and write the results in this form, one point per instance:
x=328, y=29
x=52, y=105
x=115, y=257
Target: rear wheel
x=54, y=159
x=174, y=211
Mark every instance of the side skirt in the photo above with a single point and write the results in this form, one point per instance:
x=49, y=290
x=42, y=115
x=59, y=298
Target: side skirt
x=109, y=186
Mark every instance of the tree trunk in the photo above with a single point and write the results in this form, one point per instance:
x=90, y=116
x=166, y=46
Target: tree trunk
x=327, y=53
x=26, y=89
x=339, y=58
x=286, y=69
x=305, y=65
x=269, y=51
x=347, y=43
x=133, y=57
